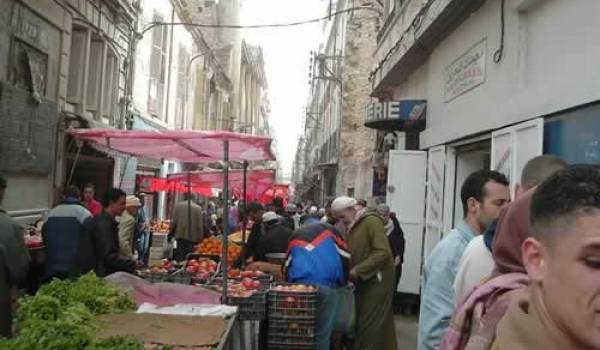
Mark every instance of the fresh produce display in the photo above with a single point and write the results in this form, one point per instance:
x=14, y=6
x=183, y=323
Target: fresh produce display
x=201, y=269
x=295, y=288
x=160, y=226
x=164, y=267
x=214, y=246
x=61, y=316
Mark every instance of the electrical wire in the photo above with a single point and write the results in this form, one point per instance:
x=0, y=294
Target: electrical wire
x=261, y=26
x=500, y=52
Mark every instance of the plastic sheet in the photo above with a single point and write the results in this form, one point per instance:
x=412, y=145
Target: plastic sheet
x=163, y=294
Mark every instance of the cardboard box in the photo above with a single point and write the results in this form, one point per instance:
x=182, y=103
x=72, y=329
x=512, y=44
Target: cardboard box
x=179, y=332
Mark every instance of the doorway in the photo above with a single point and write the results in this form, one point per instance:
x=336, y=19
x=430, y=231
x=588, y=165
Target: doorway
x=469, y=158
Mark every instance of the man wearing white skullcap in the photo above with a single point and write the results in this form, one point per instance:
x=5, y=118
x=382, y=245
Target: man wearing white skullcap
x=372, y=272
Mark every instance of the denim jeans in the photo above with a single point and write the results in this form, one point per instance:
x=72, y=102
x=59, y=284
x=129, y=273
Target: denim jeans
x=144, y=246
x=326, y=315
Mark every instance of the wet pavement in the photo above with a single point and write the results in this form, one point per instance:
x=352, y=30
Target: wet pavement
x=406, y=332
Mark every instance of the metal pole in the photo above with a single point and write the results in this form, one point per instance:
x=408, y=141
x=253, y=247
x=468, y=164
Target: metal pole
x=225, y=215
x=189, y=193
x=245, y=204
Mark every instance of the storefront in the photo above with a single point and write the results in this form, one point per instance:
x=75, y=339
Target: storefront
x=498, y=94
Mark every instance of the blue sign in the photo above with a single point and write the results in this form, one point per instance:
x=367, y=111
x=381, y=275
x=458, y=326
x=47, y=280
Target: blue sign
x=397, y=115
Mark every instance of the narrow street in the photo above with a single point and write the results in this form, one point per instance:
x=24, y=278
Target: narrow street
x=267, y=167
x=406, y=332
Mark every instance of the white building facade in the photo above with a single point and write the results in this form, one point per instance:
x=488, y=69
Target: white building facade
x=503, y=81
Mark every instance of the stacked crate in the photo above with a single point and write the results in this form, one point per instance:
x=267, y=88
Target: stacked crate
x=158, y=248
x=292, y=319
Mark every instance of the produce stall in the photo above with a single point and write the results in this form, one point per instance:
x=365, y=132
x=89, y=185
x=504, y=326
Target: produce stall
x=188, y=147
x=73, y=314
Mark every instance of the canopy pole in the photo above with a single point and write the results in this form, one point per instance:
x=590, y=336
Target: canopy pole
x=245, y=204
x=225, y=215
x=189, y=194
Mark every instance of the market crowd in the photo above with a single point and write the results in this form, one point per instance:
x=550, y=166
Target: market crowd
x=513, y=274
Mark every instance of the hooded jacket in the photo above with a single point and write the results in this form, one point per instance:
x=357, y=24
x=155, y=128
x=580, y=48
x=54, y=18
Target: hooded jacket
x=61, y=234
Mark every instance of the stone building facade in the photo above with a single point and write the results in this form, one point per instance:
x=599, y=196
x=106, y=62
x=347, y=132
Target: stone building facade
x=335, y=153
x=65, y=66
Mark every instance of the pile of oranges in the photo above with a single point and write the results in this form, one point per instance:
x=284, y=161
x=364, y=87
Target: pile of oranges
x=214, y=246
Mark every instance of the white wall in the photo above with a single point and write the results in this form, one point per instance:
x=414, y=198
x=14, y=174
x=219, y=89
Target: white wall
x=550, y=63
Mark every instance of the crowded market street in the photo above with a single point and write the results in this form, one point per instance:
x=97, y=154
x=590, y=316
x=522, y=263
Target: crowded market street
x=299, y=175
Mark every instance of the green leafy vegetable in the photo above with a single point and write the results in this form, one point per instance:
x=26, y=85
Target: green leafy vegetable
x=61, y=316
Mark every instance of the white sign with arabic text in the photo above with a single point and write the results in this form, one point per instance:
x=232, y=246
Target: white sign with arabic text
x=466, y=73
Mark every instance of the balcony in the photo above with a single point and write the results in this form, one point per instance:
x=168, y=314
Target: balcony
x=411, y=34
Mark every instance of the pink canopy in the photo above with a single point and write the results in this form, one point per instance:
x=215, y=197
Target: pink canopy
x=184, y=146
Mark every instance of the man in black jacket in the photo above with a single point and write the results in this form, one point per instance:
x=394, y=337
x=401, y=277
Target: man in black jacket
x=395, y=237
x=275, y=238
x=103, y=232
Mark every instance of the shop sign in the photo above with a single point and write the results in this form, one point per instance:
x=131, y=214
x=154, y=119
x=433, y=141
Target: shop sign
x=466, y=73
x=402, y=114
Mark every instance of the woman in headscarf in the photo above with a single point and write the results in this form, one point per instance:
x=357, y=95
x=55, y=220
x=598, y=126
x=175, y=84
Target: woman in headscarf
x=372, y=272
x=475, y=320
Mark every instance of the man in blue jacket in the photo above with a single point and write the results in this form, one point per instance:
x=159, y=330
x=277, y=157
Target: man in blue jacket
x=318, y=254
x=62, y=232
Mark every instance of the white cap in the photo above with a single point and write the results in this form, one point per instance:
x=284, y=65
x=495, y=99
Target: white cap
x=132, y=201
x=312, y=210
x=269, y=216
x=342, y=203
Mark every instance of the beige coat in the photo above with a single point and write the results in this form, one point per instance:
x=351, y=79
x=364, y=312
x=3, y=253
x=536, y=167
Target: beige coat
x=180, y=222
x=127, y=225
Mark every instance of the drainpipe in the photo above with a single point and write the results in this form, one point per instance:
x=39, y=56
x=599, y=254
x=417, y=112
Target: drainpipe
x=170, y=61
x=126, y=100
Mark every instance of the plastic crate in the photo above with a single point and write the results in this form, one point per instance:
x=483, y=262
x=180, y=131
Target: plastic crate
x=291, y=334
x=154, y=277
x=292, y=305
x=180, y=277
x=253, y=308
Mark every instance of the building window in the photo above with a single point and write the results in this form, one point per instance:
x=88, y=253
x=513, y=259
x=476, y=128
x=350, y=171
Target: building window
x=158, y=62
x=28, y=68
x=93, y=74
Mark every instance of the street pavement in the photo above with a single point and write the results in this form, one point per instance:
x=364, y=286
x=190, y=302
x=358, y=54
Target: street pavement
x=406, y=332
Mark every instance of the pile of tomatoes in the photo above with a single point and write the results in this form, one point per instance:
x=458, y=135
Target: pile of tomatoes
x=201, y=269
x=214, y=246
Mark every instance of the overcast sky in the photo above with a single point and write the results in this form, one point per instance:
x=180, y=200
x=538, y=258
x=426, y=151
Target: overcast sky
x=286, y=54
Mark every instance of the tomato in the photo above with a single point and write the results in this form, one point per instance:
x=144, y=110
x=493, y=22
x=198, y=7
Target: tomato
x=256, y=284
x=248, y=283
x=192, y=269
x=192, y=262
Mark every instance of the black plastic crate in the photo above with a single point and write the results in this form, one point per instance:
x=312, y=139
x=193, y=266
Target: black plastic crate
x=253, y=308
x=180, y=277
x=277, y=342
x=154, y=277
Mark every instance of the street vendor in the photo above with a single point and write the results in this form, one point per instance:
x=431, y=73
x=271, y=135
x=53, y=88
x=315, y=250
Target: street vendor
x=372, y=272
x=100, y=249
x=274, y=239
x=255, y=212
x=187, y=237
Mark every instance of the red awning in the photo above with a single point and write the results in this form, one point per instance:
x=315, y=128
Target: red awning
x=279, y=190
x=184, y=146
x=258, y=181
